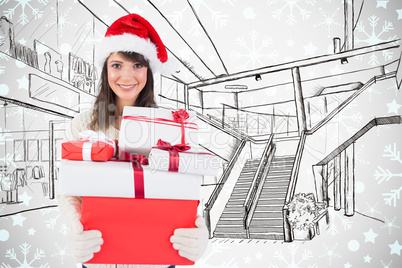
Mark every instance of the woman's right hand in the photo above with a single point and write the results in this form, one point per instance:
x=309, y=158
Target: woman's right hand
x=83, y=243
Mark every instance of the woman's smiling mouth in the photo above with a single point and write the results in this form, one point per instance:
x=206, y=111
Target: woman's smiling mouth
x=126, y=86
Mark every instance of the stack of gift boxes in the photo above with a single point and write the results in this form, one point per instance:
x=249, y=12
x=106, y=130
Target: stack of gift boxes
x=138, y=190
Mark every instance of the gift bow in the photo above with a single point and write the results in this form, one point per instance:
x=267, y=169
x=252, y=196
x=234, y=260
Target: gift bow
x=164, y=145
x=137, y=161
x=89, y=137
x=180, y=116
x=173, y=153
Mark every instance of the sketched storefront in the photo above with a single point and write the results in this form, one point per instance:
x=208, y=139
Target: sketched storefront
x=44, y=84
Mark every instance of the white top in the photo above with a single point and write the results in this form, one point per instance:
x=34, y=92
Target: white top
x=81, y=122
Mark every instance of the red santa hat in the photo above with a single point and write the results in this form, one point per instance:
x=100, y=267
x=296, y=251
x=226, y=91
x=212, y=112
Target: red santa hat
x=133, y=33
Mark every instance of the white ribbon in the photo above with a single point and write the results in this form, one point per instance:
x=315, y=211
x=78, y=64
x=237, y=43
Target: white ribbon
x=92, y=137
x=86, y=151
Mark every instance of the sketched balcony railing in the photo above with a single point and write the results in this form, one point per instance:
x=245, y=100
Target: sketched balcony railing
x=254, y=123
x=329, y=170
x=332, y=95
x=257, y=184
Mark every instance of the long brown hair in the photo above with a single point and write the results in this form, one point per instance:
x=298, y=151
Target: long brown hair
x=103, y=114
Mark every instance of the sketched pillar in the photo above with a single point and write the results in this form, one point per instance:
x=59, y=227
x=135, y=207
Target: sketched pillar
x=337, y=182
x=52, y=158
x=337, y=44
x=300, y=110
x=321, y=184
x=349, y=180
x=236, y=103
x=349, y=21
x=186, y=98
x=202, y=100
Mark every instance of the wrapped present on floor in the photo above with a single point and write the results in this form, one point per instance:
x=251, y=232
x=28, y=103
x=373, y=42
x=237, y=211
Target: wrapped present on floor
x=135, y=208
x=181, y=158
x=92, y=146
x=142, y=127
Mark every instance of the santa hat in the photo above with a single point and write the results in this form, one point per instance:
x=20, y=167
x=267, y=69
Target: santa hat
x=132, y=33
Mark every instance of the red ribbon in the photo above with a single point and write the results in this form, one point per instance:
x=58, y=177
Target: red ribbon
x=173, y=153
x=137, y=161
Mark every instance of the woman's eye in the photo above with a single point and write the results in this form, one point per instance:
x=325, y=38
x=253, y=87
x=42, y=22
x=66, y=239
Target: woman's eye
x=116, y=66
x=138, y=65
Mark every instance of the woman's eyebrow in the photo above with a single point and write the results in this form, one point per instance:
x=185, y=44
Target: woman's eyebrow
x=115, y=61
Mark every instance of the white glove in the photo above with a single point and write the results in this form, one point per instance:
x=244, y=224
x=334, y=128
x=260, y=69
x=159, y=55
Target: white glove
x=82, y=243
x=191, y=242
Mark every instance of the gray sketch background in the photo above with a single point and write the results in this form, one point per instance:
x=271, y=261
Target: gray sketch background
x=352, y=106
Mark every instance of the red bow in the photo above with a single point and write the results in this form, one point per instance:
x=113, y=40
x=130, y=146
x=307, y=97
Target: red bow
x=180, y=116
x=164, y=145
x=173, y=153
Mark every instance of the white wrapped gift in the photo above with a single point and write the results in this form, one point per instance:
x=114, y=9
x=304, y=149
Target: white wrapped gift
x=169, y=158
x=142, y=127
x=116, y=179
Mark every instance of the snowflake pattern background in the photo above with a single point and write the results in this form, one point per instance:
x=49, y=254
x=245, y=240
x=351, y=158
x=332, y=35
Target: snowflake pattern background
x=32, y=232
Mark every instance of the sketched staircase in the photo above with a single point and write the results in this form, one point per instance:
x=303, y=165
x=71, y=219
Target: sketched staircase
x=230, y=223
x=267, y=221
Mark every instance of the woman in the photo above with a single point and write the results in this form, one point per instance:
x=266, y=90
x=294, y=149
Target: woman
x=131, y=52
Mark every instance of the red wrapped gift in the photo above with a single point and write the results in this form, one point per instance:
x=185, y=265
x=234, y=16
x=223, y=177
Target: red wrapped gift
x=135, y=230
x=138, y=231
x=93, y=146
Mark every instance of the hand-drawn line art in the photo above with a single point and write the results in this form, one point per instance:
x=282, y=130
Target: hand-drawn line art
x=235, y=221
x=48, y=89
x=265, y=198
x=259, y=205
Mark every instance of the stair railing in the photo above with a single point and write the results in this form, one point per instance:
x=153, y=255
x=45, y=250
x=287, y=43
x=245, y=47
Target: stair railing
x=221, y=183
x=287, y=231
x=254, y=192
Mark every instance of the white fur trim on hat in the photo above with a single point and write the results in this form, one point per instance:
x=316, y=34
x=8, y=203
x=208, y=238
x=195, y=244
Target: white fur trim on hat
x=129, y=43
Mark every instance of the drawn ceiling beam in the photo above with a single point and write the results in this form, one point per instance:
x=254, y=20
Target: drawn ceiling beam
x=299, y=63
x=208, y=36
x=93, y=14
x=184, y=40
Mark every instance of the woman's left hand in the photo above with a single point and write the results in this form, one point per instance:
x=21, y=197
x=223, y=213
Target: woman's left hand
x=191, y=242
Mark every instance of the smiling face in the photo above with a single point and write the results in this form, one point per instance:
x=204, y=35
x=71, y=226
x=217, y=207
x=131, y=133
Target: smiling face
x=126, y=78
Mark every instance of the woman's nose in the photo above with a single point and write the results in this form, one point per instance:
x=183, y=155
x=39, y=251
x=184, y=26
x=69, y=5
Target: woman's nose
x=128, y=73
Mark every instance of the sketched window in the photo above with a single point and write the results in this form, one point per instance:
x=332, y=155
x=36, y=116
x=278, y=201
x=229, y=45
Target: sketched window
x=44, y=150
x=33, y=150
x=19, y=150
x=58, y=143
